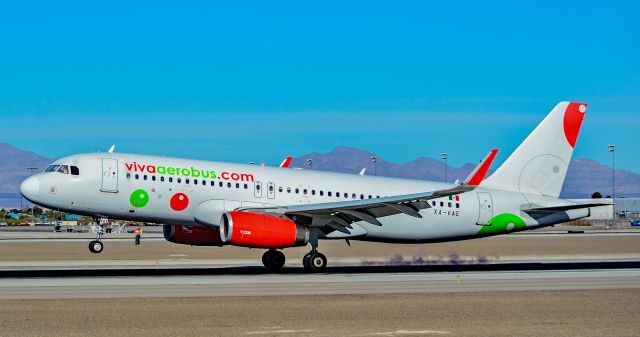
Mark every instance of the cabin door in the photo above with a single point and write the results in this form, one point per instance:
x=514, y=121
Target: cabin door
x=109, y=175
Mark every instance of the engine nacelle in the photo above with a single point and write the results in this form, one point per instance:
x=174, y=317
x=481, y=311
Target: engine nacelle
x=192, y=235
x=257, y=230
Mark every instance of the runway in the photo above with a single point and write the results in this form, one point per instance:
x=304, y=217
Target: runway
x=315, y=284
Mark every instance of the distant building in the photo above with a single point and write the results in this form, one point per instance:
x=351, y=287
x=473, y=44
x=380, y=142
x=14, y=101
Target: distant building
x=627, y=208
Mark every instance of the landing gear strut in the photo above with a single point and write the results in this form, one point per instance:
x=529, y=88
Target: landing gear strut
x=96, y=245
x=314, y=260
x=273, y=259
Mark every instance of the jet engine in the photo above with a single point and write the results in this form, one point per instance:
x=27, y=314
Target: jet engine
x=192, y=235
x=257, y=230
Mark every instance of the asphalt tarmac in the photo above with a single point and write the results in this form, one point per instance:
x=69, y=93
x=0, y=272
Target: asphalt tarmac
x=315, y=284
x=376, y=290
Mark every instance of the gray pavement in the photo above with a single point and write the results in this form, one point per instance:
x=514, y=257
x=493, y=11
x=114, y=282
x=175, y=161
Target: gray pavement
x=314, y=284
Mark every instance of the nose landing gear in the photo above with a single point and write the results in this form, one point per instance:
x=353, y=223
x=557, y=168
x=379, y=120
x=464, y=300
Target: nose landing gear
x=96, y=245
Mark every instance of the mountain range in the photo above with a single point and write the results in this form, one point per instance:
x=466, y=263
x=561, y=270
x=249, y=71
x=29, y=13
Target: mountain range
x=585, y=176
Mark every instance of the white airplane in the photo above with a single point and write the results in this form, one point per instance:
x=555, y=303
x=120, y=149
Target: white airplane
x=214, y=203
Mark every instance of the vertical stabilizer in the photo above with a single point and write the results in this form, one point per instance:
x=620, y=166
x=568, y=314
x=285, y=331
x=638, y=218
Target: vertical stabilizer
x=539, y=165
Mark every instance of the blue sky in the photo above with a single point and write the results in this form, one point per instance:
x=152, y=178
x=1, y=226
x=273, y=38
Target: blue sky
x=255, y=81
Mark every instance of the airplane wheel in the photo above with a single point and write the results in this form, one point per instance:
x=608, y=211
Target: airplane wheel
x=306, y=263
x=95, y=247
x=317, y=262
x=273, y=260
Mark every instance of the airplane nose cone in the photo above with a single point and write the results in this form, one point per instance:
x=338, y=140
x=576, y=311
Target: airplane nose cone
x=30, y=188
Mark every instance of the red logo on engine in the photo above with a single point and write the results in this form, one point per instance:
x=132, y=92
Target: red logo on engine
x=179, y=202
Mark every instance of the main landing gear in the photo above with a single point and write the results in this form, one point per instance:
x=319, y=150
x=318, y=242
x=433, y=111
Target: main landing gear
x=273, y=259
x=96, y=245
x=314, y=261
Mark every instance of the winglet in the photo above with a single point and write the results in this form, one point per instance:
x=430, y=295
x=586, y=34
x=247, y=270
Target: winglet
x=362, y=171
x=477, y=175
x=286, y=162
x=112, y=148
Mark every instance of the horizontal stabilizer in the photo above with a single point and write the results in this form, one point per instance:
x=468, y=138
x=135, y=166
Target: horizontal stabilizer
x=565, y=207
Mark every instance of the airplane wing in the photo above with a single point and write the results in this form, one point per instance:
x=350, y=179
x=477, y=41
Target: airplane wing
x=286, y=162
x=340, y=215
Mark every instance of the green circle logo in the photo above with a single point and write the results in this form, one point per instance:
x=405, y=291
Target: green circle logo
x=139, y=198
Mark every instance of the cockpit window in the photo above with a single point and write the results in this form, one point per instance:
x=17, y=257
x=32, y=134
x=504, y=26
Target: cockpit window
x=75, y=171
x=64, y=169
x=52, y=168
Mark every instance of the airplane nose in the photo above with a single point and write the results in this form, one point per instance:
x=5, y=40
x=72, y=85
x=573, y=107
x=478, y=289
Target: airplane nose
x=30, y=188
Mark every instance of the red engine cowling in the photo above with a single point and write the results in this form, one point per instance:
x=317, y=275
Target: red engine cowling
x=192, y=235
x=256, y=230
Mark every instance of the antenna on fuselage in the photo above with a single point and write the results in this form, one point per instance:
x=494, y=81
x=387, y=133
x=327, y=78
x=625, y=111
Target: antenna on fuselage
x=112, y=148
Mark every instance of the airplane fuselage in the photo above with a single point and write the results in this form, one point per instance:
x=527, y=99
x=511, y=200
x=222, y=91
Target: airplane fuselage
x=169, y=190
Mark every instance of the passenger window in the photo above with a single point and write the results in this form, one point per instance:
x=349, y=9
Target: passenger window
x=441, y=204
x=433, y=203
x=144, y=177
x=288, y=189
x=213, y=183
x=346, y=195
x=313, y=192
x=170, y=179
x=186, y=180
x=353, y=196
x=377, y=196
x=179, y=180
x=246, y=186
x=297, y=190
x=328, y=193
x=270, y=188
x=195, y=181
x=153, y=178
x=280, y=189
x=75, y=171
x=361, y=196
x=369, y=196
x=229, y=185
x=161, y=178
x=64, y=169
x=258, y=187
x=337, y=194
x=457, y=205
x=128, y=175
x=321, y=193
x=304, y=191
x=220, y=184
x=449, y=205
x=237, y=185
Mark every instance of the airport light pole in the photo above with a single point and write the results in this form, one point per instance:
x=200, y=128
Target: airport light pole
x=31, y=171
x=444, y=156
x=374, y=160
x=612, y=149
x=310, y=163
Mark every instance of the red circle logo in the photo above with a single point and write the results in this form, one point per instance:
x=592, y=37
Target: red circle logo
x=179, y=202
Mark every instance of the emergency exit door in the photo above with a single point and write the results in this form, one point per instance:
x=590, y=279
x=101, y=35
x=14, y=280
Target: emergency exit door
x=109, y=175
